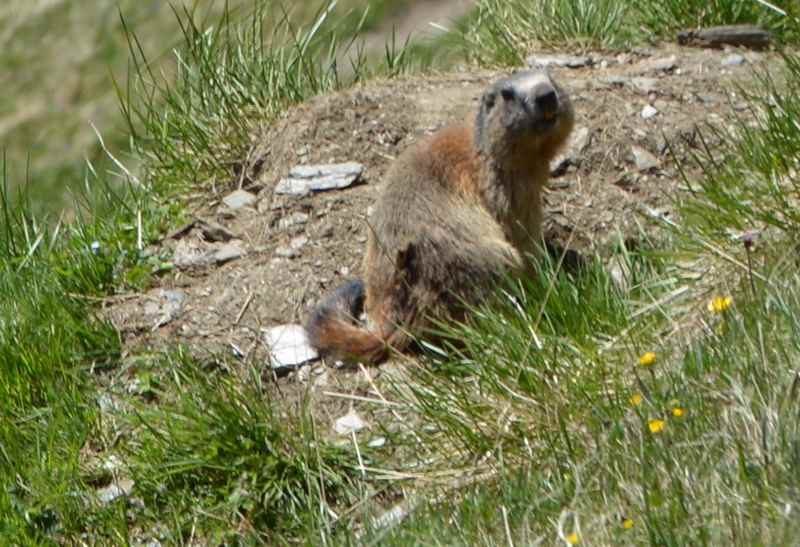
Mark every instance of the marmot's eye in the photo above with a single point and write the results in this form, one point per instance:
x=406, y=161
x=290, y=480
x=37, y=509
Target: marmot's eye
x=488, y=100
x=508, y=93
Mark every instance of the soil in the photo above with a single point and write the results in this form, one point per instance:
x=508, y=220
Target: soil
x=598, y=197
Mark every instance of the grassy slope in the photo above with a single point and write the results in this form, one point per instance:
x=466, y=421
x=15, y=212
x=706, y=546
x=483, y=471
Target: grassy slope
x=698, y=447
x=59, y=57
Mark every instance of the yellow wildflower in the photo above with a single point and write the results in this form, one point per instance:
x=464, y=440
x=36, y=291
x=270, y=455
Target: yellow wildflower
x=627, y=524
x=647, y=359
x=636, y=399
x=678, y=412
x=719, y=304
x=656, y=426
x=573, y=539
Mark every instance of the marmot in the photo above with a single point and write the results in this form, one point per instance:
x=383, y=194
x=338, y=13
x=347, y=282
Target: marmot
x=459, y=210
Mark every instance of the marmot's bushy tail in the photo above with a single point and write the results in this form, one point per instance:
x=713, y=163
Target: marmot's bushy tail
x=334, y=330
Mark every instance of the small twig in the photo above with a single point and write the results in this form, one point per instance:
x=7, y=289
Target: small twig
x=750, y=270
x=358, y=456
x=362, y=399
x=110, y=299
x=397, y=417
x=244, y=309
x=118, y=163
x=139, y=239
x=507, y=527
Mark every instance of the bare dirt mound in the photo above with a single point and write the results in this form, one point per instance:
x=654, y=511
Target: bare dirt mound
x=295, y=250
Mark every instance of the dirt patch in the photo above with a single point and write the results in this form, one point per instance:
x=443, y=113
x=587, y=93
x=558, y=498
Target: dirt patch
x=621, y=166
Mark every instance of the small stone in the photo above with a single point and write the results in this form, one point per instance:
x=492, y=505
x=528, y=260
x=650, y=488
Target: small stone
x=648, y=112
x=303, y=374
x=615, y=80
x=627, y=181
x=576, y=145
x=287, y=252
x=331, y=182
x=214, y=232
x=377, y=442
x=349, y=423
x=187, y=255
x=238, y=199
x=289, y=346
x=112, y=463
x=115, y=491
x=734, y=59
x=643, y=159
x=706, y=98
x=293, y=187
x=295, y=219
x=645, y=85
x=567, y=61
x=298, y=243
x=174, y=302
x=172, y=297
x=347, y=169
x=304, y=179
x=107, y=403
x=226, y=253
x=663, y=64
x=321, y=380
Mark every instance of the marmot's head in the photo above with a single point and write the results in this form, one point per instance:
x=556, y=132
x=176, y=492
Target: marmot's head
x=524, y=113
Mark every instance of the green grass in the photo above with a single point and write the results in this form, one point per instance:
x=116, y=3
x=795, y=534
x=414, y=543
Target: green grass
x=230, y=452
x=564, y=430
x=532, y=422
x=60, y=57
x=196, y=126
x=61, y=362
x=501, y=33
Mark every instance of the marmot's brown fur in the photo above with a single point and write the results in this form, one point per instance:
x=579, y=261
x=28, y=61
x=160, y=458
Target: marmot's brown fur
x=459, y=210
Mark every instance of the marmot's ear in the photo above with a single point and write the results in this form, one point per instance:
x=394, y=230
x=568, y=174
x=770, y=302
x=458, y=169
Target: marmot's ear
x=489, y=99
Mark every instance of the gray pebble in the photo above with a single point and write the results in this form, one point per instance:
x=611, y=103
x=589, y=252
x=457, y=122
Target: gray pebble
x=238, y=199
x=643, y=159
x=115, y=491
x=227, y=253
x=734, y=59
x=567, y=61
x=295, y=219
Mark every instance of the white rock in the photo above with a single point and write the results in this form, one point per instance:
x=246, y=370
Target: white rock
x=289, y=346
x=293, y=187
x=295, y=219
x=304, y=179
x=733, y=59
x=331, y=182
x=349, y=423
x=239, y=199
x=346, y=169
x=568, y=61
x=287, y=252
x=377, y=442
x=643, y=159
x=298, y=243
x=664, y=64
x=115, y=490
x=648, y=112
x=645, y=85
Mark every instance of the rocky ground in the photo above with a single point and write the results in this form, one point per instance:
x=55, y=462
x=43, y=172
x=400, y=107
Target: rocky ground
x=256, y=258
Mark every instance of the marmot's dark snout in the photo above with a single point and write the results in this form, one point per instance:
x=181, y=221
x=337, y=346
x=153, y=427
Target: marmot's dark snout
x=546, y=99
